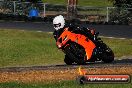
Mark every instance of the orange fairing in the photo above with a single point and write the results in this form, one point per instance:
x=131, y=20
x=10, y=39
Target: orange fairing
x=78, y=38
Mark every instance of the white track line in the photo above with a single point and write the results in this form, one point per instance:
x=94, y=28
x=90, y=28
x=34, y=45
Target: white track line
x=113, y=37
x=99, y=36
x=39, y=31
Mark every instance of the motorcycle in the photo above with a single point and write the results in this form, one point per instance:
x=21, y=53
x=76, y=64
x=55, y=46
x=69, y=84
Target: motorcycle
x=81, y=48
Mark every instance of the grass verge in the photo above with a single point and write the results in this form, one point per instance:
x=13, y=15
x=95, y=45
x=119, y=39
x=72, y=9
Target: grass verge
x=24, y=48
x=63, y=84
x=82, y=2
x=28, y=48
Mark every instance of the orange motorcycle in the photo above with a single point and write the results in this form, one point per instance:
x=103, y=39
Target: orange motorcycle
x=81, y=48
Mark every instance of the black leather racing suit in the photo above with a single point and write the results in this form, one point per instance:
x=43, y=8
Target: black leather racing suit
x=75, y=29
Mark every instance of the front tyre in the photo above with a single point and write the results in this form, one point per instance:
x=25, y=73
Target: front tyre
x=67, y=60
x=74, y=53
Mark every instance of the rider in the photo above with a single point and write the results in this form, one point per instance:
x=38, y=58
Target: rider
x=59, y=25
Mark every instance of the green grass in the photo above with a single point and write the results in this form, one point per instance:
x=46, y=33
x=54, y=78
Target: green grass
x=63, y=84
x=82, y=2
x=93, y=3
x=28, y=48
x=21, y=48
x=120, y=47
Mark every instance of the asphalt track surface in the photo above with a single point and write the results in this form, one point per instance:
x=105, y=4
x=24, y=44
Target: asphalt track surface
x=118, y=31
x=127, y=62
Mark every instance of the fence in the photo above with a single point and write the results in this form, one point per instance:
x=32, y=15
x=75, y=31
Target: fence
x=92, y=14
x=84, y=13
x=119, y=15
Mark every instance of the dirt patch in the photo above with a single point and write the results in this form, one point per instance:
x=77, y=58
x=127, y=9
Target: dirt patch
x=57, y=75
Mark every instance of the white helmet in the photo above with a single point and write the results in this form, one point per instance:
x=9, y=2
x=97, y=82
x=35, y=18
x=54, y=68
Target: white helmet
x=58, y=22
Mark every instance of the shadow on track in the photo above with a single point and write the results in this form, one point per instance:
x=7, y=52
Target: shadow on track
x=100, y=64
x=129, y=60
x=116, y=63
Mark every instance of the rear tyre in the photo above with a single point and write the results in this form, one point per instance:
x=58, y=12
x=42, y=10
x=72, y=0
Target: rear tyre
x=108, y=56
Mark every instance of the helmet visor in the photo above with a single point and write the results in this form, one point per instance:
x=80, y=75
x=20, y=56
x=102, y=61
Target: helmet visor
x=57, y=25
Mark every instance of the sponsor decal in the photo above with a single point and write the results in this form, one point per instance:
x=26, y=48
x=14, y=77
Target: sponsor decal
x=86, y=78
